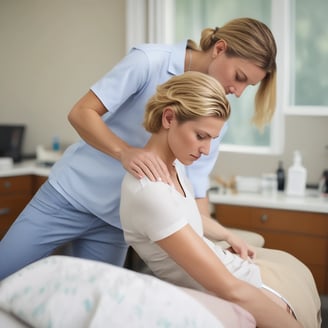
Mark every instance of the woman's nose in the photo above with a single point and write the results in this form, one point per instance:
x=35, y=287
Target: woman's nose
x=237, y=91
x=240, y=90
x=205, y=149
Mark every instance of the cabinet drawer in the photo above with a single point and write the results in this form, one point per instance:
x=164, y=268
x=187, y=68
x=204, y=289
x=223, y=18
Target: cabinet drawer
x=319, y=274
x=17, y=184
x=291, y=221
x=38, y=181
x=308, y=249
x=10, y=208
x=234, y=216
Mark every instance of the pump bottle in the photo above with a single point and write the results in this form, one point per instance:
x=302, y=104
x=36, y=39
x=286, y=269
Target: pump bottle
x=296, y=180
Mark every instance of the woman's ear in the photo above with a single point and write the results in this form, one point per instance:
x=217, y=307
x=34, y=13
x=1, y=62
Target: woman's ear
x=219, y=47
x=167, y=117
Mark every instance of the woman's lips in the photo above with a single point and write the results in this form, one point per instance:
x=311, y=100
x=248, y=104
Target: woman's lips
x=195, y=157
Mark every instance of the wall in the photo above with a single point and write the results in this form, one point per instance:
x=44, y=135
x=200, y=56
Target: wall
x=51, y=52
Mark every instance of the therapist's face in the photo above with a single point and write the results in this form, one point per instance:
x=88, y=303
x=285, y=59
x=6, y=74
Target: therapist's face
x=234, y=73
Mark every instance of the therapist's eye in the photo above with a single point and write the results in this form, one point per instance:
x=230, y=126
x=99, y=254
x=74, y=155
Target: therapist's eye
x=241, y=78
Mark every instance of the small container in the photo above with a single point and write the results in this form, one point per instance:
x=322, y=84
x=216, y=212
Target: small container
x=55, y=144
x=280, y=177
x=323, y=185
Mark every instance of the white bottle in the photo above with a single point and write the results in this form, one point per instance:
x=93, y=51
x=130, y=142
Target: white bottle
x=296, y=180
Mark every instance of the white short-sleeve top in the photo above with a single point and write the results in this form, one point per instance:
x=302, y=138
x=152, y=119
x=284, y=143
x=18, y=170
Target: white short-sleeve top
x=151, y=211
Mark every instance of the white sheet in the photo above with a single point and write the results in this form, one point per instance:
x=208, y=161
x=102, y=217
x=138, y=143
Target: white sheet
x=7, y=320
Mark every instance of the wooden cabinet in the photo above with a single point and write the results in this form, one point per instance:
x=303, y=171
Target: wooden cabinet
x=15, y=193
x=302, y=234
x=38, y=181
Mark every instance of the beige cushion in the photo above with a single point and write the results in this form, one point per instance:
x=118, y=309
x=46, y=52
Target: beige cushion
x=252, y=238
x=292, y=279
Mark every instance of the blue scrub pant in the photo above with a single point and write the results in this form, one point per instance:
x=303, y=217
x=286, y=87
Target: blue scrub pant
x=49, y=221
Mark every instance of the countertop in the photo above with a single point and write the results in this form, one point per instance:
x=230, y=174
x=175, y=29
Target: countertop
x=279, y=200
x=25, y=168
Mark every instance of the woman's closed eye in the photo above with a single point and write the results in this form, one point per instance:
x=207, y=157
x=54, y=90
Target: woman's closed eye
x=201, y=136
x=241, y=77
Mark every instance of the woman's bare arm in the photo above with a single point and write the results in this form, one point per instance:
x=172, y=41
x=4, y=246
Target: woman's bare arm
x=85, y=117
x=189, y=251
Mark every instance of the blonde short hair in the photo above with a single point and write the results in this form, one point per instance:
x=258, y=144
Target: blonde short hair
x=191, y=95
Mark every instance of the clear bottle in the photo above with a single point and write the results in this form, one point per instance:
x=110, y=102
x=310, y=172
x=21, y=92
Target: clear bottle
x=296, y=180
x=280, y=177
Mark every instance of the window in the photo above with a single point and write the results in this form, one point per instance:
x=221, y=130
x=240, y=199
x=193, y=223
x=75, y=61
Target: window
x=301, y=32
x=308, y=60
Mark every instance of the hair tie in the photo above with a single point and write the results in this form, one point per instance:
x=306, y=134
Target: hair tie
x=214, y=32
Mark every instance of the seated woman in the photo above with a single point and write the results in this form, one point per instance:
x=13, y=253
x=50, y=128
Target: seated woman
x=163, y=224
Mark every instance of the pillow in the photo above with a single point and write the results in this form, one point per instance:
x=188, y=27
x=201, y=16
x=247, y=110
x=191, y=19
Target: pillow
x=62, y=291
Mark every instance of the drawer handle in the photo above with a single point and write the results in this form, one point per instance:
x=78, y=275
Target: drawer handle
x=264, y=217
x=7, y=184
x=4, y=211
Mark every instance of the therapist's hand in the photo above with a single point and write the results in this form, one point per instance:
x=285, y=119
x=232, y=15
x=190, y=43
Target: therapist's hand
x=140, y=163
